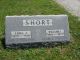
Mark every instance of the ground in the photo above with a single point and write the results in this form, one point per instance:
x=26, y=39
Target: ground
x=69, y=51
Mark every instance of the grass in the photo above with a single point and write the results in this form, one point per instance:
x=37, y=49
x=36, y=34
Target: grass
x=38, y=7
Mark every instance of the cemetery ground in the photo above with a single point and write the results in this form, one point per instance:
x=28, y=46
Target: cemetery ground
x=69, y=51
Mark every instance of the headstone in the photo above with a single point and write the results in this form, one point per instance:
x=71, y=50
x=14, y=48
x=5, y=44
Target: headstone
x=23, y=30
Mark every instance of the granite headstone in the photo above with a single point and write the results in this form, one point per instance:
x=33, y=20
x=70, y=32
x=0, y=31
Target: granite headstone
x=23, y=30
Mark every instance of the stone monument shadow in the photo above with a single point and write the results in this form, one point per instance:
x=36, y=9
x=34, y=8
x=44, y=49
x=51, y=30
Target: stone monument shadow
x=3, y=42
x=33, y=45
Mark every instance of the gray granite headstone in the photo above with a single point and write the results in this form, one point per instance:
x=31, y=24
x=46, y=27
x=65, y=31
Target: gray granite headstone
x=22, y=30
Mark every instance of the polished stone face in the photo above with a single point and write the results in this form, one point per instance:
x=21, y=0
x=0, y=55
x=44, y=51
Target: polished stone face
x=36, y=28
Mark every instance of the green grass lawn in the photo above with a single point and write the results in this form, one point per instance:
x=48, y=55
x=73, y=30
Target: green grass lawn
x=70, y=51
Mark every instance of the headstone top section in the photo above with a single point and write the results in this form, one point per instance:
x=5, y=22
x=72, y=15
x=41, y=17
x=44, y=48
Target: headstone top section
x=35, y=15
